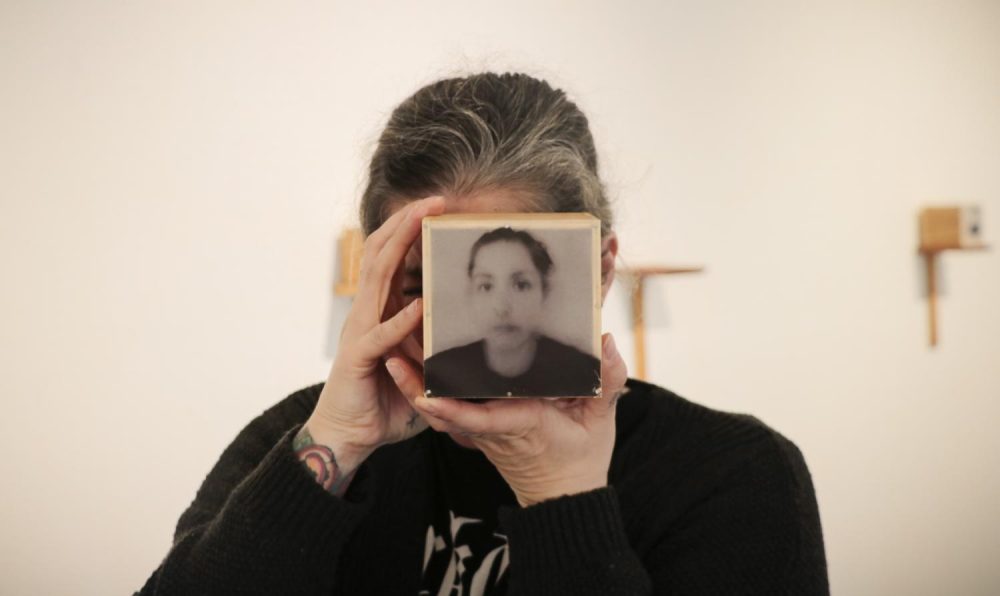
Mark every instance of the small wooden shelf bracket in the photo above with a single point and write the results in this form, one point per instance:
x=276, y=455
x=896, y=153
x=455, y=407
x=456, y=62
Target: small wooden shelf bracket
x=637, y=277
x=955, y=227
x=349, y=247
x=930, y=256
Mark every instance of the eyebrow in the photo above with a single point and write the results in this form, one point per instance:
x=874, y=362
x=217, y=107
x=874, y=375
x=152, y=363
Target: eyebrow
x=414, y=271
x=514, y=274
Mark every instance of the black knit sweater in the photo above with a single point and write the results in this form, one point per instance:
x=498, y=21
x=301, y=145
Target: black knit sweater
x=698, y=502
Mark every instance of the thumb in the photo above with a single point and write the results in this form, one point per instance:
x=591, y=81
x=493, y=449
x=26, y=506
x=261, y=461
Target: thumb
x=614, y=373
x=409, y=381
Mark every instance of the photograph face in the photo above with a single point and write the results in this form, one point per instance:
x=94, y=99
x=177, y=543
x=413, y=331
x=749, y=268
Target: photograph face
x=506, y=296
x=511, y=305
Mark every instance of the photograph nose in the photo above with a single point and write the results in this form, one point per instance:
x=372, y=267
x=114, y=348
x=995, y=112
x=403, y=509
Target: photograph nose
x=502, y=303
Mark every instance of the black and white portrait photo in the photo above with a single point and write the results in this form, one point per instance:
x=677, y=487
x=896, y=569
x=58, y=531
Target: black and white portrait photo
x=512, y=306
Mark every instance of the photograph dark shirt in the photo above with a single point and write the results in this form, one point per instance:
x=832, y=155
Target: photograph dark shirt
x=558, y=370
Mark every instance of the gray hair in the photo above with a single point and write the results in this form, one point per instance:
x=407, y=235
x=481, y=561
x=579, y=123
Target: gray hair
x=486, y=131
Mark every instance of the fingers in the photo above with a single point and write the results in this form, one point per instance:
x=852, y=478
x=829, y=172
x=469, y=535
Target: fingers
x=499, y=417
x=384, y=251
x=411, y=349
x=411, y=386
x=387, y=335
x=449, y=415
x=409, y=381
x=378, y=238
x=399, y=242
x=384, y=263
x=614, y=373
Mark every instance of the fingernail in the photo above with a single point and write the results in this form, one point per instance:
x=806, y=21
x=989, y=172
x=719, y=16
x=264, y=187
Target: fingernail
x=610, y=349
x=395, y=371
x=414, y=306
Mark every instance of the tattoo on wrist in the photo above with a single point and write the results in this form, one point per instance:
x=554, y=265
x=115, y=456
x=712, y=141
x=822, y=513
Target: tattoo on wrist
x=321, y=463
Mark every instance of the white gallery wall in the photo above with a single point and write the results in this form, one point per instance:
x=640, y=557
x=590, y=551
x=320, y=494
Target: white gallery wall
x=173, y=176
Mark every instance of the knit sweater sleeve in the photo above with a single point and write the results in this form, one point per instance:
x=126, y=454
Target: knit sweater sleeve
x=576, y=545
x=259, y=523
x=756, y=531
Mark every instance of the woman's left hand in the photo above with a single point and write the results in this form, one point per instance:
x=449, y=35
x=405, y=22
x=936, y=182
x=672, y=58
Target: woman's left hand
x=543, y=448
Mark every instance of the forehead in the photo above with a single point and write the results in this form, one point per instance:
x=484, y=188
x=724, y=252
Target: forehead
x=494, y=200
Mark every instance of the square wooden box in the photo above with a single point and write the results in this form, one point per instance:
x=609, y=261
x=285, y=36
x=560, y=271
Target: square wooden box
x=492, y=327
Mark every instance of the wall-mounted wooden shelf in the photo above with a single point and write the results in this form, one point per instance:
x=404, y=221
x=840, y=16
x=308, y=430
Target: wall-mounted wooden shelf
x=930, y=255
x=349, y=247
x=637, y=277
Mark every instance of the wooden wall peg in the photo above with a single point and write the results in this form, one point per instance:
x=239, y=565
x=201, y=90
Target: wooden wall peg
x=349, y=247
x=637, y=277
x=941, y=229
x=930, y=265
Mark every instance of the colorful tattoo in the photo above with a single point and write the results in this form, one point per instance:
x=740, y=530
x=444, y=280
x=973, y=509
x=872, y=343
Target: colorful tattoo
x=321, y=462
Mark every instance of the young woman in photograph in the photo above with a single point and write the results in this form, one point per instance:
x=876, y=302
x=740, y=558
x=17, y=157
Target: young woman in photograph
x=509, y=281
x=362, y=486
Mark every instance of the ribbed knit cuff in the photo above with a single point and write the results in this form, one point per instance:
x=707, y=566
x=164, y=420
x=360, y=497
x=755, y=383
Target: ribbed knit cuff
x=289, y=509
x=565, y=533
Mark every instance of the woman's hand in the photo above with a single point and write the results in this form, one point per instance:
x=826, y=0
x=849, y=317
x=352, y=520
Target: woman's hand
x=360, y=408
x=543, y=448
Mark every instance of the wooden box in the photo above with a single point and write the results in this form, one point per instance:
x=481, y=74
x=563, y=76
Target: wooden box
x=512, y=305
x=950, y=227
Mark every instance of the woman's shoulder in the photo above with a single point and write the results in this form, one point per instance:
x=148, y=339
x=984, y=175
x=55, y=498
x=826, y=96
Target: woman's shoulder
x=462, y=355
x=658, y=427
x=719, y=479
x=653, y=409
x=557, y=352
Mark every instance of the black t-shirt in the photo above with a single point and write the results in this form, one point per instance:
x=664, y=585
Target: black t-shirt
x=465, y=551
x=558, y=370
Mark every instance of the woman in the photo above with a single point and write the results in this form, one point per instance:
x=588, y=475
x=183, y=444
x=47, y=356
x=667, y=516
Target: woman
x=509, y=277
x=342, y=489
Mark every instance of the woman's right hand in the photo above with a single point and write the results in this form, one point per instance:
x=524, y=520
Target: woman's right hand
x=360, y=408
